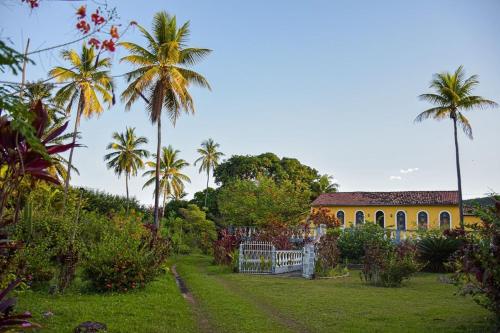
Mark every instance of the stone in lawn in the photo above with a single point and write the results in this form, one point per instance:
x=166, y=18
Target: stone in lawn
x=90, y=327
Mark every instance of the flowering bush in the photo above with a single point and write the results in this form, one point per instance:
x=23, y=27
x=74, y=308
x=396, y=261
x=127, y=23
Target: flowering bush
x=389, y=266
x=477, y=263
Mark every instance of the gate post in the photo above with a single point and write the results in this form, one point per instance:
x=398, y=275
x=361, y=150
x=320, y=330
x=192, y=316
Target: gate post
x=308, y=261
x=240, y=257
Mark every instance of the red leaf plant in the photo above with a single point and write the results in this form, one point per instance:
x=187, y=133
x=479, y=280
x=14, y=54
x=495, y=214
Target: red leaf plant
x=25, y=153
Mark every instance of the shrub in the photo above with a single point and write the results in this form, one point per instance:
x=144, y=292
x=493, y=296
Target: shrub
x=225, y=248
x=389, y=266
x=435, y=250
x=352, y=241
x=328, y=254
x=126, y=260
x=477, y=263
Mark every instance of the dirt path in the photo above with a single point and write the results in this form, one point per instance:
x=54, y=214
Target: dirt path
x=201, y=318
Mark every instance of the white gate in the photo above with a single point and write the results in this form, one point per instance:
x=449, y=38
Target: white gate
x=263, y=258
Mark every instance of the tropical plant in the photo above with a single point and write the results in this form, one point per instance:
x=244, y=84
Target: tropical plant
x=162, y=77
x=325, y=184
x=26, y=149
x=452, y=96
x=435, y=250
x=126, y=156
x=171, y=177
x=87, y=82
x=209, y=159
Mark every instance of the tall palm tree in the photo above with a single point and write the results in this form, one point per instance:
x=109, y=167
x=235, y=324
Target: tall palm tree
x=162, y=77
x=126, y=156
x=88, y=80
x=209, y=160
x=452, y=95
x=171, y=177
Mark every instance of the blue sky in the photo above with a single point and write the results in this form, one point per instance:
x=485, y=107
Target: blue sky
x=332, y=83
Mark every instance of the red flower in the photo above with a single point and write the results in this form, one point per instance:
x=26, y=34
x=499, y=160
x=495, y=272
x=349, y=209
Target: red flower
x=81, y=12
x=96, y=18
x=114, y=32
x=109, y=45
x=83, y=26
x=32, y=3
x=94, y=42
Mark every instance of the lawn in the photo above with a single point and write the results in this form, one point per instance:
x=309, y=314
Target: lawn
x=158, y=308
x=227, y=302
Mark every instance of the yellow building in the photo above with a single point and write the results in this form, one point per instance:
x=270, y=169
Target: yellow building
x=406, y=210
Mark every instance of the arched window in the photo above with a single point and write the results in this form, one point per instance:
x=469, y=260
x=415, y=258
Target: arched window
x=340, y=217
x=401, y=220
x=380, y=218
x=422, y=220
x=444, y=220
x=360, y=217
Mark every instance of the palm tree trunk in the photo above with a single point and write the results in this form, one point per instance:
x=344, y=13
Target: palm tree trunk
x=126, y=188
x=157, y=180
x=70, y=160
x=459, y=176
x=164, y=204
x=206, y=190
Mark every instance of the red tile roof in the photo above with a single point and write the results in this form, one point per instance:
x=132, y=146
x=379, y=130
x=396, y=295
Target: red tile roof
x=405, y=198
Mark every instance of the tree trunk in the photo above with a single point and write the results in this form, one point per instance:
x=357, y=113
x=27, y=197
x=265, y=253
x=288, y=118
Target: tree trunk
x=206, y=190
x=126, y=188
x=459, y=176
x=157, y=180
x=164, y=204
x=70, y=160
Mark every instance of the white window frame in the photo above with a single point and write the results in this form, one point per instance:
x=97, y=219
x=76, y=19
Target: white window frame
x=439, y=219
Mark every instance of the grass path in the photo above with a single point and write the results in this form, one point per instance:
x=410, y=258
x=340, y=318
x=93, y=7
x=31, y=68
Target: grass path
x=250, y=303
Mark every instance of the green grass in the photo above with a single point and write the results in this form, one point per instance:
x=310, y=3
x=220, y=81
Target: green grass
x=251, y=303
x=157, y=308
x=227, y=302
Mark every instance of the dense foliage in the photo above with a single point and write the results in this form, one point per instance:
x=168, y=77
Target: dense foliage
x=128, y=256
x=352, y=241
x=263, y=201
x=477, y=263
x=191, y=230
x=388, y=266
x=435, y=249
x=106, y=203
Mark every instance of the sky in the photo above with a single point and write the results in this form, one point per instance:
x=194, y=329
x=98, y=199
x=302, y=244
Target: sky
x=332, y=83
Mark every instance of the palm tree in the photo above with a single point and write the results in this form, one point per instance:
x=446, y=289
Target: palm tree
x=452, y=95
x=87, y=81
x=162, y=77
x=126, y=156
x=171, y=177
x=325, y=184
x=209, y=159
